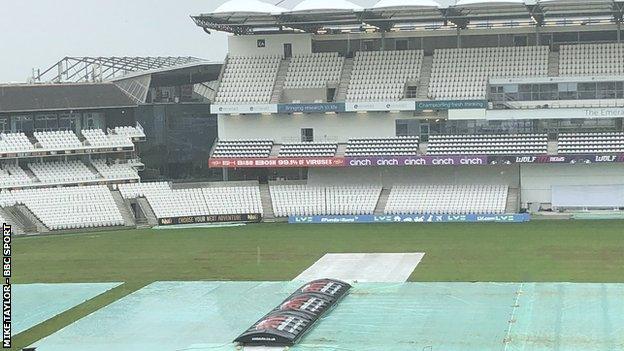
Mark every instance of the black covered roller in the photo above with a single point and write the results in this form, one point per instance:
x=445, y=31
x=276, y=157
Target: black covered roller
x=286, y=323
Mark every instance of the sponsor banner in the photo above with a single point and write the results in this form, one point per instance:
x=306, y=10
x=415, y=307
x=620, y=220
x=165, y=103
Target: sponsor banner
x=415, y=161
x=570, y=159
x=451, y=105
x=251, y=217
x=243, y=109
x=312, y=162
x=417, y=218
x=311, y=108
x=555, y=113
x=381, y=106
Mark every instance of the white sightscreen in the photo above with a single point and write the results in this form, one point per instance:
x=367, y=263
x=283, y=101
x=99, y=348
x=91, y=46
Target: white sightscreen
x=602, y=196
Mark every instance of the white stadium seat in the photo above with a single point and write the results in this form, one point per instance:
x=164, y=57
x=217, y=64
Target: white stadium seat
x=464, y=73
x=71, y=207
x=591, y=143
x=398, y=146
x=383, y=75
x=248, y=79
x=313, y=70
x=488, y=144
x=168, y=202
x=591, y=59
x=447, y=199
x=304, y=200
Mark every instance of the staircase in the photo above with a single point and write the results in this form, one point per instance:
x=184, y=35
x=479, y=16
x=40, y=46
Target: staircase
x=275, y=150
x=513, y=201
x=381, y=203
x=425, y=78
x=267, y=203
x=553, y=147
x=341, y=150
x=553, y=64
x=17, y=224
x=345, y=78
x=147, y=210
x=124, y=209
x=282, y=71
x=23, y=214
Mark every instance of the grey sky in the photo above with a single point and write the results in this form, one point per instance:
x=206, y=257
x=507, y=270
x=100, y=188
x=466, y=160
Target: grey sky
x=38, y=33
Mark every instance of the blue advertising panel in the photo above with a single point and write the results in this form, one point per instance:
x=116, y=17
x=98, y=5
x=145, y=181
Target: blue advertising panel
x=451, y=104
x=416, y=218
x=311, y=108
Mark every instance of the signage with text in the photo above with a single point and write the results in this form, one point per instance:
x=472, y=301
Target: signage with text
x=252, y=217
x=415, y=218
x=311, y=108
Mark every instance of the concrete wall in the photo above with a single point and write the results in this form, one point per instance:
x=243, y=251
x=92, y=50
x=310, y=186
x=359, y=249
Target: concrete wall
x=332, y=127
x=247, y=45
x=537, y=180
x=389, y=176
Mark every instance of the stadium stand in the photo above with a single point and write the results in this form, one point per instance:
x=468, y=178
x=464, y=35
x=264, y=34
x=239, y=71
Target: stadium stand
x=97, y=137
x=130, y=132
x=591, y=59
x=464, y=73
x=447, y=199
x=242, y=148
x=60, y=171
x=89, y=206
x=168, y=202
x=114, y=170
x=495, y=144
x=58, y=140
x=313, y=70
x=583, y=143
x=304, y=200
x=248, y=79
x=15, y=142
x=311, y=149
x=399, y=146
x=13, y=175
x=383, y=75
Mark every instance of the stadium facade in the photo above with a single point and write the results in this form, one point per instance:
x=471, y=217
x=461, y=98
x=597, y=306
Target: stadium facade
x=330, y=112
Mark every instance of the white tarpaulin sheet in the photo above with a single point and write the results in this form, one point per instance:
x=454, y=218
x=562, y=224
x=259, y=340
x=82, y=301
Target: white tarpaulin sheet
x=588, y=196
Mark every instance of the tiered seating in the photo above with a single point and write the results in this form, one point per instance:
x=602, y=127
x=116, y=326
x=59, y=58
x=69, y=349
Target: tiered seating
x=135, y=190
x=58, y=140
x=15, y=142
x=382, y=75
x=243, y=148
x=447, y=199
x=57, y=172
x=495, y=144
x=167, y=202
x=130, y=132
x=7, y=199
x=464, y=73
x=97, y=137
x=115, y=170
x=303, y=200
x=72, y=207
x=314, y=70
x=591, y=143
x=13, y=175
x=399, y=146
x=308, y=150
x=591, y=59
x=248, y=79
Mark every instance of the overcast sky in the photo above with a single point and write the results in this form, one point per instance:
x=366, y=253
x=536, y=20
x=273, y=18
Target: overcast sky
x=38, y=33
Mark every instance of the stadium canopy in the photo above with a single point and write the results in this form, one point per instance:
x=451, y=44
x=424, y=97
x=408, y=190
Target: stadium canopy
x=325, y=6
x=405, y=4
x=342, y=16
x=237, y=7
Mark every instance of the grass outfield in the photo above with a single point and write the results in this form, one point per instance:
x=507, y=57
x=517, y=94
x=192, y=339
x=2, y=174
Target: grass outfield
x=539, y=251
